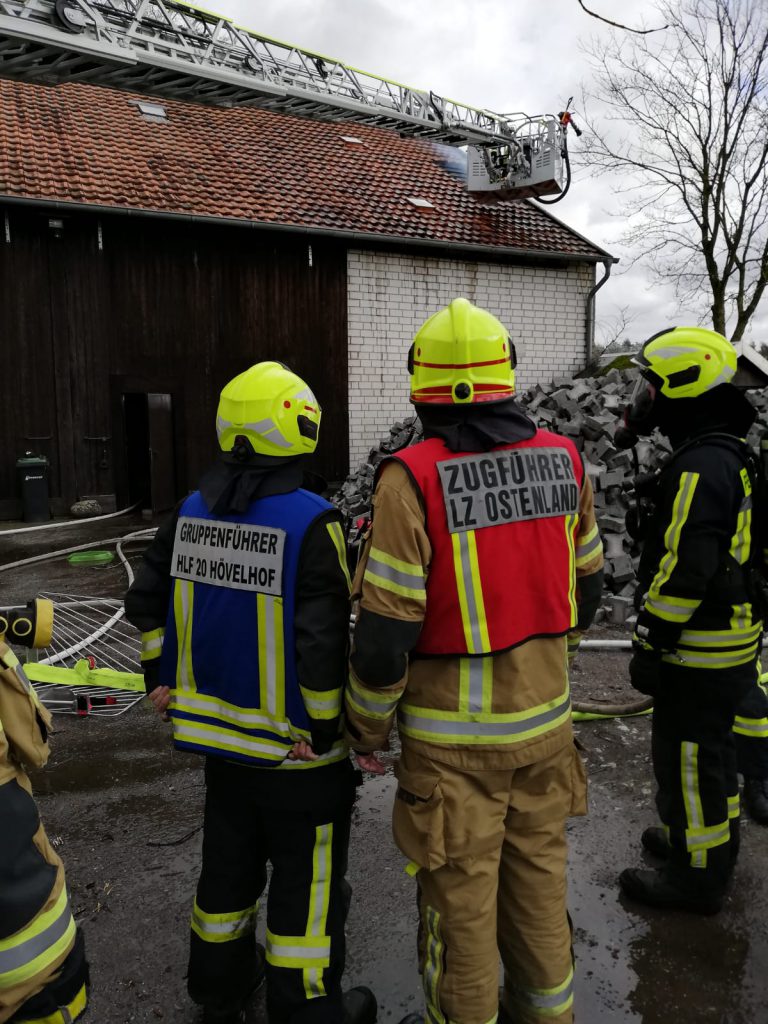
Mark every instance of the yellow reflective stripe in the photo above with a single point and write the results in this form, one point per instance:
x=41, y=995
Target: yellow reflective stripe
x=721, y=638
x=152, y=644
x=571, y=523
x=711, y=659
x=248, y=718
x=216, y=737
x=183, y=607
x=412, y=868
x=475, y=728
x=298, y=951
x=742, y=618
x=9, y=658
x=269, y=619
x=370, y=702
x=470, y=592
x=319, y=898
x=741, y=542
x=475, y=685
x=415, y=593
x=322, y=704
x=755, y=727
x=409, y=568
x=733, y=806
x=66, y=1014
x=433, y=966
x=680, y=510
x=223, y=927
x=694, y=812
x=707, y=837
x=546, y=1002
x=588, y=547
x=336, y=534
x=32, y=950
x=671, y=609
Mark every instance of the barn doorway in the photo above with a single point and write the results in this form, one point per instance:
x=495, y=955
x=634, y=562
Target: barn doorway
x=150, y=466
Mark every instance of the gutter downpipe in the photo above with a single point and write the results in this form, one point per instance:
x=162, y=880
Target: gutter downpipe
x=589, y=324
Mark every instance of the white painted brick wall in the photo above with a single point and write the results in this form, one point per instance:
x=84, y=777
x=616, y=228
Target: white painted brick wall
x=389, y=297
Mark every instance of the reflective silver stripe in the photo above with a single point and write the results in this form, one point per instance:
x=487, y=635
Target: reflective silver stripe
x=155, y=644
x=469, y=591
x=758, y=726
x=188, y=732
x=559, y=997
x=704, y=839
x=318, y=704
x=448, y=727
x=268, y=643
x=25, y=952
x=661, y=604
x=733, y=639
x=185, y=647
x=239, y=923
x=378, y=708
x=712, y=661
x=413, y=581
x=582, y=550
x=476, y=666
x=214, y=709
x=284, y=950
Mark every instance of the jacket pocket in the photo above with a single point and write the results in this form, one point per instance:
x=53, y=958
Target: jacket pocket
x=417, y=818
x=578, y=785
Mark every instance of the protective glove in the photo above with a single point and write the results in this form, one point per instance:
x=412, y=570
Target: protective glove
x=645, y=668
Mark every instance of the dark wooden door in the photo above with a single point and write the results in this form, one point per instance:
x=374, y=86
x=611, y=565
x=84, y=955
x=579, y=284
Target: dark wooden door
x=161, y=453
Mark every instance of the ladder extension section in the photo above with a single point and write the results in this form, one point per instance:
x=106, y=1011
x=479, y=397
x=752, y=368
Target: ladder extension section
x=171, y=49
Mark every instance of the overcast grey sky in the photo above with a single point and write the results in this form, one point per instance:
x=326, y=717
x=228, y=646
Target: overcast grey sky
x=506, y=55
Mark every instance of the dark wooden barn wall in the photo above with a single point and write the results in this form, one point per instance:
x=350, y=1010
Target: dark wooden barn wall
x=163, y=306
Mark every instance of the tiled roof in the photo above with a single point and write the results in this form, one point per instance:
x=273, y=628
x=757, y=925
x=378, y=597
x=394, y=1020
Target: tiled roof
x=91, y=145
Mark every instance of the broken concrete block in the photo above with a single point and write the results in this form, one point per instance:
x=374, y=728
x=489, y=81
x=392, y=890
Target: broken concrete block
x=618, y=609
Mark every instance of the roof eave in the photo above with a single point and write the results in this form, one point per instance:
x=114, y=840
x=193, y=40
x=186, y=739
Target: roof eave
x=596, y=256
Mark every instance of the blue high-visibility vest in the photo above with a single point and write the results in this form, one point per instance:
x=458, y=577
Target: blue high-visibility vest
x=229, y=649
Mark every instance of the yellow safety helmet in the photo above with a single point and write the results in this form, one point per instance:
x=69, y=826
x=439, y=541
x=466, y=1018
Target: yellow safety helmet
x=272, y=409
x=462, y=356
x=685, y=362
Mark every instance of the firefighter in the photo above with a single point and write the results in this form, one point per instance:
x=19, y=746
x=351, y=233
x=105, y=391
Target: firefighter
x=699, y=629
x=43, y=970
x=243, y=601
x=483, y=555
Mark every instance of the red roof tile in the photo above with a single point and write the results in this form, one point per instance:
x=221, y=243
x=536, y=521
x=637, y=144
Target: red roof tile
x=86, y=144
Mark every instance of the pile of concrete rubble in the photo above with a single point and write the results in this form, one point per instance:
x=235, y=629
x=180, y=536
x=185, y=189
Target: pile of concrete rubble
x=587, y=410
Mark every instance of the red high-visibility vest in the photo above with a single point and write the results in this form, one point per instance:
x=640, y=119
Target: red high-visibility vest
x=502, y=526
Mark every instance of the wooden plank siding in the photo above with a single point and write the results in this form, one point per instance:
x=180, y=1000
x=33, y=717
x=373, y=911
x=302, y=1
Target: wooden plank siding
x=163, y=306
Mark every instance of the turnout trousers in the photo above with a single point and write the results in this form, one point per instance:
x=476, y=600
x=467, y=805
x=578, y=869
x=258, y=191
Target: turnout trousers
x=694, y=761
x=750, y=729
x=490, y=850
x=43, y=970
x=302, y=829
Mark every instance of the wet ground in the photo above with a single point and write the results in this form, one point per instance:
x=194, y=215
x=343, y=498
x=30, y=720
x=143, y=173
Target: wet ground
x=124, y=810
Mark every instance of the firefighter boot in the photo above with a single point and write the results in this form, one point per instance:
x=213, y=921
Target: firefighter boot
x=655, y=841
x=660, y=889
x=360, y=1006
x=756, y=799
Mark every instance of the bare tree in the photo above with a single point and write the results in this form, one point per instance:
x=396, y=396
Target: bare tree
x=684, y=119
x=614, y=327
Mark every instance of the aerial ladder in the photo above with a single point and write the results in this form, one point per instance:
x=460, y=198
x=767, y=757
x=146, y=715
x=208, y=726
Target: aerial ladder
x=167, y=48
